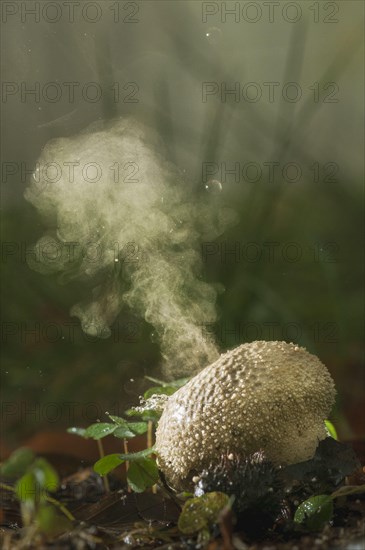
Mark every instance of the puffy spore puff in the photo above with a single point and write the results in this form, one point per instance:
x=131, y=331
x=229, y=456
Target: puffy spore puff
x=123, y=221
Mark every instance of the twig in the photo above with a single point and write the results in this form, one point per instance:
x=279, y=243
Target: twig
x=125, y=447
x=225, y=526
x=155, y=380
x=61, y=507
x=149, y=445
x=102, y=454
x=150, y=434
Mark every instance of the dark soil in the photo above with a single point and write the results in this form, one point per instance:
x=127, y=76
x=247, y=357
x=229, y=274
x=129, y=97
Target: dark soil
x=122, y=520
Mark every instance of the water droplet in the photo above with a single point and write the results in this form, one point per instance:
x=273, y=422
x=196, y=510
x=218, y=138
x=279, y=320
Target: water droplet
x=214, y=36
x=213, y=187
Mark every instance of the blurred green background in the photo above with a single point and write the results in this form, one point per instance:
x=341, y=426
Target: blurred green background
x=57, y=376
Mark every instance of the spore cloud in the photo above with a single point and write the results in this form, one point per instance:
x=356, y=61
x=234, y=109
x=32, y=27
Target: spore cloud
x=122, y=220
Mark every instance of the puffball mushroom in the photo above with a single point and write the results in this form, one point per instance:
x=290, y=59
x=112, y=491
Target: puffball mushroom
x=270, y=396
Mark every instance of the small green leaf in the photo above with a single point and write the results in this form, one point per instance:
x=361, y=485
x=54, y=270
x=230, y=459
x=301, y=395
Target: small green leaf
x=131, y=429
x=200, y=513
x=137, y=456
x=314, y=512
x=123, y=432
x=331, y=429
x=106, y=464
x=117, y=419
x=152, y=415
x=27, y=489
x=158, y=390
x=76, y=431
x=146, y=415
x=142, y=473
x=179, y=383
x=132, y=412
x=45, y=475
x=100, y=430
x=138, y=428
x=17, y=462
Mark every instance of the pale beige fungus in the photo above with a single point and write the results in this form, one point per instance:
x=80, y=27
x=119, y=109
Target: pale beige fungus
x=262, y=395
